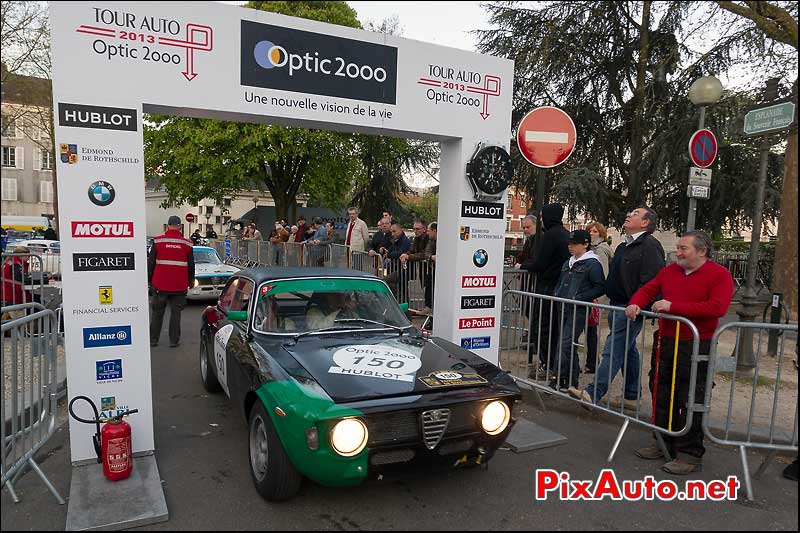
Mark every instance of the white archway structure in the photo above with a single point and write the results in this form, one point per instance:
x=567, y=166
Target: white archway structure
x=114, y=61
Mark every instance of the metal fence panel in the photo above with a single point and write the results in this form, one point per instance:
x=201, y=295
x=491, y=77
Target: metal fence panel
x=753, y=407
x=29, y=383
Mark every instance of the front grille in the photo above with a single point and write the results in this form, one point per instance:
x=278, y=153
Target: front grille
x=458, y=446
x=392, y=457
x=212, y=280
x=405, y=426
x=434, y=424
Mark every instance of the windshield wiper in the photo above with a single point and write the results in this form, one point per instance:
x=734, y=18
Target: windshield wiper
x=331, y=328
x=396, y=328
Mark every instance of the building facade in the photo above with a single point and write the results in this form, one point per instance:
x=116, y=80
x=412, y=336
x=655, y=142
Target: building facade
x=28, y=160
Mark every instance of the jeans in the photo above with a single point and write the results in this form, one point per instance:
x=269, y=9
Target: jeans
x=619, y=326
x=158, y=304
x=569, y=365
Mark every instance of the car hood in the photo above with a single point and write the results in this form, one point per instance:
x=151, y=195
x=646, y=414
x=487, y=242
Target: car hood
x=213, y=270
x=356, y=368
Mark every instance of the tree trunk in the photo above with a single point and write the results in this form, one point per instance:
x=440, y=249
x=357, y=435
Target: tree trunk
x=784, y=271
x=637, y=134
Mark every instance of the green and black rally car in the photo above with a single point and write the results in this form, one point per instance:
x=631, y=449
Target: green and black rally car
x=338, y=386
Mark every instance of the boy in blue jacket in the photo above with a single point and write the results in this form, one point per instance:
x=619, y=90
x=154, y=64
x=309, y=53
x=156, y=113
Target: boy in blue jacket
x=581, y=279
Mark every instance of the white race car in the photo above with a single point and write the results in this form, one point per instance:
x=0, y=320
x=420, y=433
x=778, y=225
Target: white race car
x=210, y=274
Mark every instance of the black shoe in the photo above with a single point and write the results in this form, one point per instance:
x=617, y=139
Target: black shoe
x=153, y=344
x=174, y=345
x=790, y=472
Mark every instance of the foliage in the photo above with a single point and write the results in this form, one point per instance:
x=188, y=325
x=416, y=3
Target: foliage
x=425, y=207
x=622, y=70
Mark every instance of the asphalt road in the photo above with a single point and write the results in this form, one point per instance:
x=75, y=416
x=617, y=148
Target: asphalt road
x=201, y=450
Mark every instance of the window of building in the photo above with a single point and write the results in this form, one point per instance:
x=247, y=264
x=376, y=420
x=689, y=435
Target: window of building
x=226, y=202
x=43, y=159
x=10, y=189
x=219, y=219
x=9, y=126
x=12, y=157
x=46, y=192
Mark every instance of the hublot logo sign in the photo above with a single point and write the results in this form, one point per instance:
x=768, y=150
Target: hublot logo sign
x=102, y=262
x=482, y=210
x=477, y=302
x=104, y=118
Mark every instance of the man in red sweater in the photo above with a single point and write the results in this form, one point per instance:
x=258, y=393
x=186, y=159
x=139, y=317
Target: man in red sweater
x=701, y=290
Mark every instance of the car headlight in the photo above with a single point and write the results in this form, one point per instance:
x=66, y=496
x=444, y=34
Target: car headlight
x=349, y=437
x=196, y=282
x=495, y=418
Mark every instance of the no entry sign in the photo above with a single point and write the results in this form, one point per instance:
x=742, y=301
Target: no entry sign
x=703, y=148
x=546, y=137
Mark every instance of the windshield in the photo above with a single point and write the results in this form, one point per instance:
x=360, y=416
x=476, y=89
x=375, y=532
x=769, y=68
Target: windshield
x=300, y=306
x=206, y=256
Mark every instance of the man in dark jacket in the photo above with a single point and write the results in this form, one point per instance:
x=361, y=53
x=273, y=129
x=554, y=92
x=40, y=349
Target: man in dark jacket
x=399, y=244
x=636, y=262
x=549, y=255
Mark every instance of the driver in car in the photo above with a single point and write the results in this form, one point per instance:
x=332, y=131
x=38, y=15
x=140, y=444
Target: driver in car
x=329, y=307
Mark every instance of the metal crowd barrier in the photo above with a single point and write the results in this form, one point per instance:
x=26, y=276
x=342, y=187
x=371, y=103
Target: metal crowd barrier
x=411, y=282
x=29, y=384
x=535, y=321
x=759, y=426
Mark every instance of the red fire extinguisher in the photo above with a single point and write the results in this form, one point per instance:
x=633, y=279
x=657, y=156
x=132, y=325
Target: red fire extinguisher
x=112, y=444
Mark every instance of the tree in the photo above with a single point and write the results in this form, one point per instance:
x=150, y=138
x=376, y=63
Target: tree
x=622, y=70
x=778, y=23
x=198, y=159
x=383, y=160
x=26, y=72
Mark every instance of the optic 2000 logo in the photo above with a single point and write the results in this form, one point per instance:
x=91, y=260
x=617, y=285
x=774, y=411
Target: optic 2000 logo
x=139, y=33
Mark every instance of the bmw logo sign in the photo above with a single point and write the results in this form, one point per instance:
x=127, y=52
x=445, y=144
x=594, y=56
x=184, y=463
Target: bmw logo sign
x=480, y=258
x=101, y=193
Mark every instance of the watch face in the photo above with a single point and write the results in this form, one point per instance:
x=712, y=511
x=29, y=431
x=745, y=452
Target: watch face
x=491, y=170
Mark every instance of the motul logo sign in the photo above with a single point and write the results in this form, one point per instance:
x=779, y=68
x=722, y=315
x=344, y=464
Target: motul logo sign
x=471, y=282
x=102, y=229
x=473, y=323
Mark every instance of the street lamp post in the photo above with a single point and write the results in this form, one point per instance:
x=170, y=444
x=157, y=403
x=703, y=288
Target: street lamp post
x=703, y=92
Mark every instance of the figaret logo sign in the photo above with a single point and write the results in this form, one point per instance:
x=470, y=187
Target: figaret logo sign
x=123, y=36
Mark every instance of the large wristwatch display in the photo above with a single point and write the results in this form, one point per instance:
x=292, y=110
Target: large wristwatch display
x=490, y=172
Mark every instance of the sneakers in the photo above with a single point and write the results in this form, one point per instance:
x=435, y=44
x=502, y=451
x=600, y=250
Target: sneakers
x=650, y=453
x=153, y=344
x=581, y=395
x=683, y=465
x=174, y=345
x=539, y=373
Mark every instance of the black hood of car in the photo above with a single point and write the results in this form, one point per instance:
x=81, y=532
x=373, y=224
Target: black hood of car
x=356, y=368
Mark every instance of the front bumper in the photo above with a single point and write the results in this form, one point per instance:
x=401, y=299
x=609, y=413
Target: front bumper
x=205, y=292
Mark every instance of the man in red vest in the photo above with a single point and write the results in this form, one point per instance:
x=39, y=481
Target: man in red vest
x=14, y=270
x=170, y=272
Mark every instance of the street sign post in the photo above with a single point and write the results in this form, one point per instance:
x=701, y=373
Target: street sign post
x=546, y=137
x=703, y=148
x=700, y=176
x=698, y=191
x=770, y=118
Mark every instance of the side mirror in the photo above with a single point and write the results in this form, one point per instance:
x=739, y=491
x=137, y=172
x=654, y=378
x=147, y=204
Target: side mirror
x=404, y=307
x=238, y=316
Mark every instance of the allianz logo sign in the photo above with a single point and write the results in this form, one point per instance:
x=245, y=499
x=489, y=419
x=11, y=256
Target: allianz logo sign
x=82, y=229
x=106, y=336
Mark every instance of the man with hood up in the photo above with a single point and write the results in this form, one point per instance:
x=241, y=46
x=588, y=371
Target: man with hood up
x=549, y=255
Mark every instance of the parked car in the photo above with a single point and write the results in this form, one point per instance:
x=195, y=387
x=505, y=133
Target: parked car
x=337, y=386
x=48, y=251
x=210, y=274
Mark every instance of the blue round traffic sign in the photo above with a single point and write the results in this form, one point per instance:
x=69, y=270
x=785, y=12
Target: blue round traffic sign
x=703, y=148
